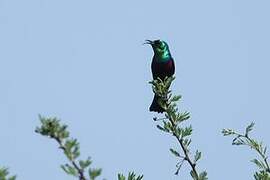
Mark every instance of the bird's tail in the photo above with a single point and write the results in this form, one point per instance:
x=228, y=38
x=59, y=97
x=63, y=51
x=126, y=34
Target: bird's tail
x=155, y=105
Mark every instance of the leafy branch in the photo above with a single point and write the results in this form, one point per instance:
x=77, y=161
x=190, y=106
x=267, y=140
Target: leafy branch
x=52, y=128
x=246, y=140
x=4, y=174
x=171, y=124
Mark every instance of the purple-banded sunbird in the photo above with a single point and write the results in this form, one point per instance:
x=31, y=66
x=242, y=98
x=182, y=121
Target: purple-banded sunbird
x=162, y=66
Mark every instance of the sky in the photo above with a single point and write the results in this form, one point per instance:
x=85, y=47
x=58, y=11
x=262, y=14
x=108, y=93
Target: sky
x=83, y=61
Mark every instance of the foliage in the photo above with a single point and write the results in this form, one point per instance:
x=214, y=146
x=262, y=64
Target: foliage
x=172, y=124
x=246, y=140
x=131, y=176
x=4, y=174
x=52, y=128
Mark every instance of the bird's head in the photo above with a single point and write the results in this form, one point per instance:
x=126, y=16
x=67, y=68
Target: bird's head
x=160, y=48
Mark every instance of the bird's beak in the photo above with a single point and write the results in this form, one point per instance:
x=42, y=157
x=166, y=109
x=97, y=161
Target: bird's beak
x=148, y=42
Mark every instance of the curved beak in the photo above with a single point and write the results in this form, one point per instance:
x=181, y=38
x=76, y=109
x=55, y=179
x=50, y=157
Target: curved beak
x=147, y=41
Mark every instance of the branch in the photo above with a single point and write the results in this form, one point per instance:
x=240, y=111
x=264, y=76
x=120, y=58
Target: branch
x=52, y=128
x=244, y=139
x=171, y=125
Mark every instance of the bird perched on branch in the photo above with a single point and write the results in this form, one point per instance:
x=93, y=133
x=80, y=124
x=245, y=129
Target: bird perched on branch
x=162, y=66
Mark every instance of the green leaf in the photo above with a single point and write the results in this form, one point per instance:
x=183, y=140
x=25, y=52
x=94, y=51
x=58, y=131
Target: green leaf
x=162, y=129
x=259, y=163
x=131, y=176
x=70, y=170
x=203, y=175
x=176, y=98
x=85, y=164
x=121, y=177
x=197, y=156
x=174, y=152
x=264, y=150
x=167, y=126
x=249, y=128
x=183, y=116
x=227, y=132
x=93, y=173
x=187, y=131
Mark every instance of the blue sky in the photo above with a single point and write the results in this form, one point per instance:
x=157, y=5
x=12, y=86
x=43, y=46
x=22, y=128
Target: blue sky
x=84, y=62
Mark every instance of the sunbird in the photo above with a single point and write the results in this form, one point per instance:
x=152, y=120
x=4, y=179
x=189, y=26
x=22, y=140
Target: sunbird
x=162, y=66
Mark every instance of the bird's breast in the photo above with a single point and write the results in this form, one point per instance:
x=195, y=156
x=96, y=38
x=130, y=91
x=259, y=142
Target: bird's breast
x=162, y=69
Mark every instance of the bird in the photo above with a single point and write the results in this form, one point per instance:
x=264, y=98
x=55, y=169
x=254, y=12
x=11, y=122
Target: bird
x=162, y=66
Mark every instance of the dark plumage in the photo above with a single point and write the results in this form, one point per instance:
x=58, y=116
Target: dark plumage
x=162, y=66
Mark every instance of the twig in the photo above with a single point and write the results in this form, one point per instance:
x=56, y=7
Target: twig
x=187, y=158
x=80, y=171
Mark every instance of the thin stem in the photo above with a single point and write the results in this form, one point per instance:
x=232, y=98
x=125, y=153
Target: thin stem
x=187, y=158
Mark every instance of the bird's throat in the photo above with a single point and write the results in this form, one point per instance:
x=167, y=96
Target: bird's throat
x=163, y=57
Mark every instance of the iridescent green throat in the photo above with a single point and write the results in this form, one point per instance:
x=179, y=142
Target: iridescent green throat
x=161, y=51
x=163, y=56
